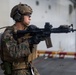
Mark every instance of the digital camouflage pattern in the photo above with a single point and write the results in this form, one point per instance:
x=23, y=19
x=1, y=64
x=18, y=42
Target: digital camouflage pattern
x=22, y=8
x=17, y=54
x=16, y=50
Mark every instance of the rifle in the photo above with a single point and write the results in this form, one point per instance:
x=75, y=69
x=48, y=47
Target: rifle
x=44, y=33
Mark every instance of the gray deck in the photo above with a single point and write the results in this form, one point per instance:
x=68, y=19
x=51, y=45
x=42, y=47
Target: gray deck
x=56, y=66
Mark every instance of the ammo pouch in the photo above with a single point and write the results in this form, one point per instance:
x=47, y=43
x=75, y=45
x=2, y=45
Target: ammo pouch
x=6, y=66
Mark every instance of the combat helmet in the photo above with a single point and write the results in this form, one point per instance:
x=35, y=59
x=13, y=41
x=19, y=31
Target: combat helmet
x=19, y=10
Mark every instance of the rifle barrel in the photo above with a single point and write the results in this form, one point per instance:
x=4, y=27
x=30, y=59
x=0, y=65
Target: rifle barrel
x=74, y=29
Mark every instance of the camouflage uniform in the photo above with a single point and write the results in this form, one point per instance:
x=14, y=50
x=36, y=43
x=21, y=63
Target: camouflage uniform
x=16, y=53
x=16, y=56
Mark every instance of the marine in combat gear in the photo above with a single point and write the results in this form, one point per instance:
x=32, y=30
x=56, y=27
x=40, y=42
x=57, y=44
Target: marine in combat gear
x=17, y=53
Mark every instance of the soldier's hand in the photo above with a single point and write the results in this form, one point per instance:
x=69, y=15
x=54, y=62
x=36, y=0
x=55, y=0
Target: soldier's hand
x=34, y=40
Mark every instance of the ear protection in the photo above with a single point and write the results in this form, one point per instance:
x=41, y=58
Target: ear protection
x=17, y=16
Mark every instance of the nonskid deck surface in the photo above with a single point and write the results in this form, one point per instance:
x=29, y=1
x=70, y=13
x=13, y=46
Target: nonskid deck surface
x=55, y=66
